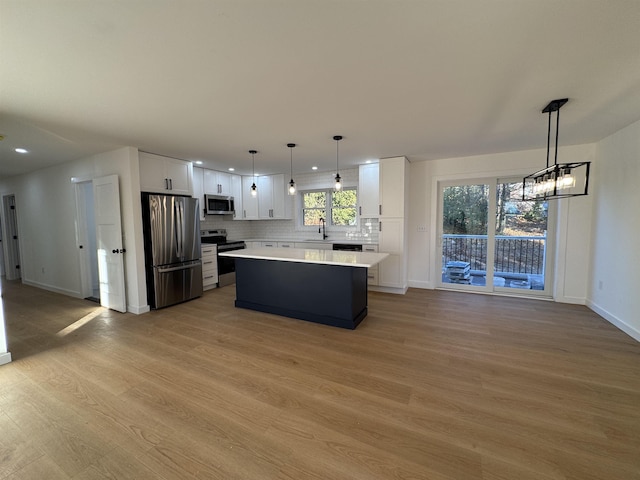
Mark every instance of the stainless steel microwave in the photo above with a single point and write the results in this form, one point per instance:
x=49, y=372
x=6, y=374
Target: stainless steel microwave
x=218, y=205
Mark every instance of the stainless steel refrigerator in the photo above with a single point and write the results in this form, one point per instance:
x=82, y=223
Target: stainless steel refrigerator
x=171, y=226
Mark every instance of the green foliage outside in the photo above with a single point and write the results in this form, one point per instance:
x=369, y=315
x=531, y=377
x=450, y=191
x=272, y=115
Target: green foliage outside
x=343, y=207
x=465, y=210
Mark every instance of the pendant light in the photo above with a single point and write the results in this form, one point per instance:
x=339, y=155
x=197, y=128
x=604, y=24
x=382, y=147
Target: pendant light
x=560, y=179
x=254, y=188
x=338, y=185
x=292, y=184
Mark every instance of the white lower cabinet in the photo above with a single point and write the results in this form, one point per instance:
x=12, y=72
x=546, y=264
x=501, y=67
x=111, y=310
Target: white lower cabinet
x=372, y=273
x=314, y=245
x=391, y=272
x=391, y=240
x=209, y=266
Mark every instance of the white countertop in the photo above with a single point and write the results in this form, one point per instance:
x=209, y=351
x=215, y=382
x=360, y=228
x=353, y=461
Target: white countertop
x=309, y=255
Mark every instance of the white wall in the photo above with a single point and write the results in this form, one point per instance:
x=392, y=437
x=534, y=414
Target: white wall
x=45, y=202
x=573, y=220
x=614, y=287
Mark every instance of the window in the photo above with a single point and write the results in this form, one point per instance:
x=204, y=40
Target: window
x=339, y=207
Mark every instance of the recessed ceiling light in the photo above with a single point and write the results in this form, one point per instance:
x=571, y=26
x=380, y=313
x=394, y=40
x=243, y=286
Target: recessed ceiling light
x=231, y=169
x=22, y=150
x=368, y=161
x=314, y=168
x=198, y=162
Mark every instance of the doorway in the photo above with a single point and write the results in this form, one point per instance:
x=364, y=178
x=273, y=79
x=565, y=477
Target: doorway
x=87, y=243
x=12, y=266
x=492, y=241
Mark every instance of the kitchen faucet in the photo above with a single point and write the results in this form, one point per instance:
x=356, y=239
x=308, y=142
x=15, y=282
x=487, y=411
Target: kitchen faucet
x=324, y=235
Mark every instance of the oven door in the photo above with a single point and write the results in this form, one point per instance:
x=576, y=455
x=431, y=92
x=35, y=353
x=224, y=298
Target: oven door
x=227, y=265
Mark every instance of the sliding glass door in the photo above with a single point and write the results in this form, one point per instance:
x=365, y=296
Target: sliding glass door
x=490, y=240
x=464, y=235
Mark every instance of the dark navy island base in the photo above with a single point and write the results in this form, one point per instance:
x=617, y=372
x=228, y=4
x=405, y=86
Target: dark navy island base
x=330, y=294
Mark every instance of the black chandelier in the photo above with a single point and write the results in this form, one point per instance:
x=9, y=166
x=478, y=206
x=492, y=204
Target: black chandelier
x=560, y=180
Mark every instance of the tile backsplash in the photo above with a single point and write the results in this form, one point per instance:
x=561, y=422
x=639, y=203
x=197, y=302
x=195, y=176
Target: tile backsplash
x=285, y=230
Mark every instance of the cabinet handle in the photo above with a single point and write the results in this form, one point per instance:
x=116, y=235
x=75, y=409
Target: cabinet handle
x=360, y=210
x=379, y=226
x=208, y=277
x=166, y=184
x=170, y=184
x=379, y=209
x=244, y=214
x=206, y=263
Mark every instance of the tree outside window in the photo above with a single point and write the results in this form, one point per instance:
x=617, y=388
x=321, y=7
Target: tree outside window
x=340, y=205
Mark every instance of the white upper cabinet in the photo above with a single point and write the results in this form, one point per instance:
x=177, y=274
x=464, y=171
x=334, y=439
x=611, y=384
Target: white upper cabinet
x=217, y=183
x=249, y=204
x=165, y=174
x=236, y=193
x=273, y=201
x=368, y=190
x=392, y=186
x=265, y=196
x=198, y=188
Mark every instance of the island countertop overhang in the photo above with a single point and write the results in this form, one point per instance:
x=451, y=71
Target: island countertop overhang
x=308, y=255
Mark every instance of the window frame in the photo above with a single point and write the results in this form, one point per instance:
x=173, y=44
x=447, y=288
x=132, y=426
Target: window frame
x=328, y=209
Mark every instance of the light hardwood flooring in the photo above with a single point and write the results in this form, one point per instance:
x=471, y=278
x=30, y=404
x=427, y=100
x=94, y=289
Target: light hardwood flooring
x=432, y=385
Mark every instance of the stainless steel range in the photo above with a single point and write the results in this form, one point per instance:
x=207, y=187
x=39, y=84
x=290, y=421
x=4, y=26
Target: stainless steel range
x=226, y=265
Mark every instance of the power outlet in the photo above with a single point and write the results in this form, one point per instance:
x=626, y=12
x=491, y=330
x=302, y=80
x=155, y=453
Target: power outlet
x=422, y=228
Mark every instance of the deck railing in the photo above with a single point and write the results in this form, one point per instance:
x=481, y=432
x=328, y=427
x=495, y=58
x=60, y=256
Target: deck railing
x=521, y=254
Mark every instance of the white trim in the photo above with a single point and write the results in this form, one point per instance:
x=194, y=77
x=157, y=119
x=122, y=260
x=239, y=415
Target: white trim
x=138, y=310
x=615, y=321
x=51, y=288
x=398, y=291
x=5, y=358
x=571, y=300
x=423, y=284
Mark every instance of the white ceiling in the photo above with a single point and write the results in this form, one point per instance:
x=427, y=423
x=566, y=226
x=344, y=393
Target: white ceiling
x=209, y=80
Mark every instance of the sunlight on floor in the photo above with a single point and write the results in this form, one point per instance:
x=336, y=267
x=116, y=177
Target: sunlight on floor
x=79, y=323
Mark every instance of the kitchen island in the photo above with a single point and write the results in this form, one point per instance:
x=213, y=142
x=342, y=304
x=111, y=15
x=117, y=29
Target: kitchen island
x=322, y=286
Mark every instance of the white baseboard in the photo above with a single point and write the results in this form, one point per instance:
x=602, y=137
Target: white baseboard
x=5, y=358
x=138, y=310
x=572, y=300
x=398, y=291
x=421, y=284
x=615, y=321
x=52, y=288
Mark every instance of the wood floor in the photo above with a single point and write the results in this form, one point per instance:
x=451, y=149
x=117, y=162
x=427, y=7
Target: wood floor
x=432, y=385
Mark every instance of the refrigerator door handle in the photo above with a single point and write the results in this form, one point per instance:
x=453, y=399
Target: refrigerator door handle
x=181, y=267
x=178, y=228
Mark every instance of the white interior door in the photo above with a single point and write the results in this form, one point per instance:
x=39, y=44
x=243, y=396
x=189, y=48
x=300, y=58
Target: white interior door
x=110, y=247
